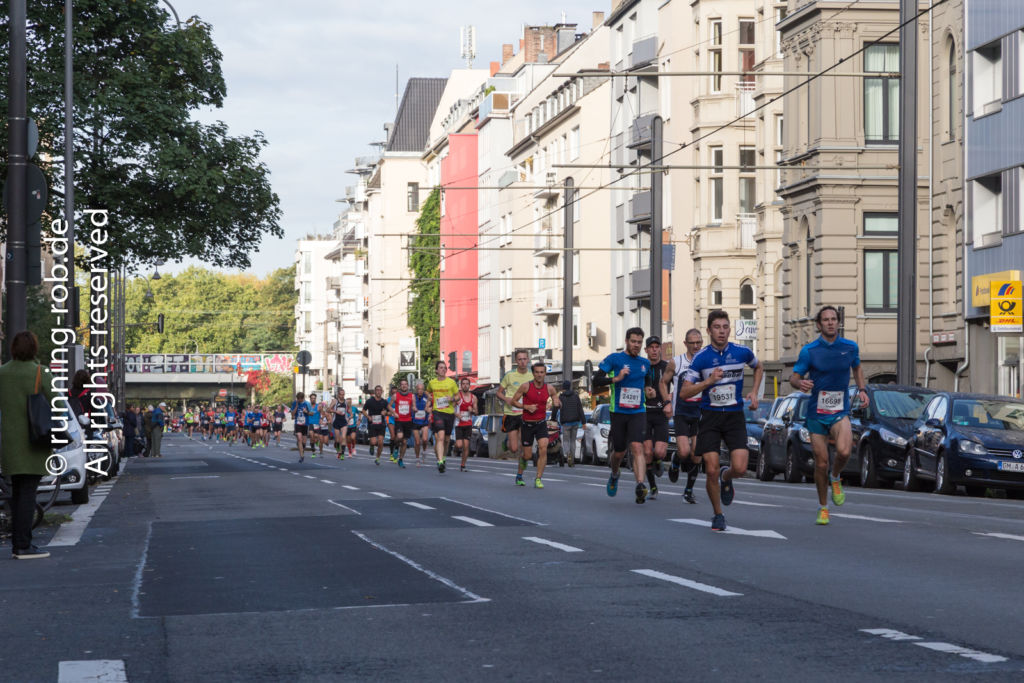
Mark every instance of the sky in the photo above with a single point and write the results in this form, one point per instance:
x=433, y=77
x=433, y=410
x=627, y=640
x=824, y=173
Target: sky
x=317, y=77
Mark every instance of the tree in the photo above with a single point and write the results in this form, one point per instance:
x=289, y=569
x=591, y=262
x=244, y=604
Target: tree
x=425, y=305
x=269, y=388
x=174, y=187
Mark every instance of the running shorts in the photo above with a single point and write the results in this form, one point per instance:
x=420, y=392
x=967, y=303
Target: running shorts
x=717, y=426
x=627, y=428
x=443, y=422
x=533, y=430
x=463, y=433
x=511, y=423
x=657, y=427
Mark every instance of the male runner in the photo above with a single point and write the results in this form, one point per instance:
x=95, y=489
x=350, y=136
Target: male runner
x=204, y=424
x=828, y=360
x=190, y=421
x=659, y=408
x=278, y=423
x=340, y=423
x=442, y=392
x=301, y=411
x=376, y=409
x=512, y=417
x=626, y=372
x=323, y=432
x=420, y=423
x=391, y=425
x=230, y=425
x=532, y=398
x=465, y=409
x=402, y=406
x=717, y=373
x=353, y=421
x=687, y=415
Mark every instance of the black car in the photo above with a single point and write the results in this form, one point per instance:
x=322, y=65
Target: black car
x=882, y=429
x=786, y=442
x=756, y=420
x=970, y=439
x=479, y=436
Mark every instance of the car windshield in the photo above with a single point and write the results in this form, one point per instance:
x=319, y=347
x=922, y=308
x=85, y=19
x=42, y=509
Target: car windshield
x=907, y=405
x=764, y=409
x=603, y=415
x=989, y=414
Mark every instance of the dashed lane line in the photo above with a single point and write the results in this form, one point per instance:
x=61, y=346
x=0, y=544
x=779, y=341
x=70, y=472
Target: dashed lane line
x=949, y=648
x=686, y=583
x=760, y=533
x=558, y=546
x=345, y=507
x=1009, y=537
x=419, y=506
x=880, y=520
x=101, y=670
x=378, y=494
x=471, y=520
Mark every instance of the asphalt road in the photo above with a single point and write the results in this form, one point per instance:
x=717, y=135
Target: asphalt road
x=219, y=563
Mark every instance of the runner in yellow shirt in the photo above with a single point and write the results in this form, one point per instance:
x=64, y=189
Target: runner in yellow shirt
x=512, y=417
x=442, y=393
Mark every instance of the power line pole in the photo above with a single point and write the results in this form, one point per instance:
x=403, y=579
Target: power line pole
x=657, y=180
x=567, y=290
x=17, y=152
x=906, y=246
x=71, y=319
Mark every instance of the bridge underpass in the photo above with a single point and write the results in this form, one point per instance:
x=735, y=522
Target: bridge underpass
x=195, y=378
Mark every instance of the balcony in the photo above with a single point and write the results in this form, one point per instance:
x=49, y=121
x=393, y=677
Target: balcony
x=334, y=282
x=640, y=132
x=746, y=226
x=545, y=244
x=640, y=284
x=494, y=103
x=744, y=98
x=553, y=189
x=547, y=303
x=620, y=223
x=645, y=51
x=640, y=207
x=507, y=178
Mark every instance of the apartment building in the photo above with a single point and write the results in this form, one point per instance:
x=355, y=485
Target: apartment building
x=390, y=217
x=994, y=186
x=840, y=223
x=312, y=324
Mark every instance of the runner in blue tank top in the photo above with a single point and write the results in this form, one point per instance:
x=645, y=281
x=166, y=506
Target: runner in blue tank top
x=828, y=361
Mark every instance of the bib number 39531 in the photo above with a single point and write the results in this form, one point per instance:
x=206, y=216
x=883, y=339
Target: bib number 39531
x=830, y=402
x=630, y=397
x=722, y=395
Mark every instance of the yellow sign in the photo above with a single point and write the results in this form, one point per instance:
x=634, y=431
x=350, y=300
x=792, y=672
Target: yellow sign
x=1005, y=311
x=981, y=285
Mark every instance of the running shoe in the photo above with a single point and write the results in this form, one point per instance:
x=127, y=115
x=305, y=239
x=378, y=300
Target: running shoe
x=641, y=494
x=658, y=471
x=538, y=484
x=401, y=463
x=688, y=496
x=312, y=455
x=822, y=516
x=376, y=461
x=673, y=470
x=718, y=523
x=393, y=458
x=838, y=495
x=301, y=458
x=441, y=466
x=654, y=493
x=726, y=486
x=519, y=480
x=613, y=486
x=462, y=468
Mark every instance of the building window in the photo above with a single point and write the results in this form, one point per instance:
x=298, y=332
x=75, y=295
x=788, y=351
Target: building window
x=748, y=179
x=779, y=150
x=880, y=281
x=881, y=224
x=716, y=293
x=715, y=52
x=987, y=210
x=746, y=56
x=717, y=183
x=576, y=327
x=951, y=90
x=1019, y=227
x=882, y=95
x=308, y=322
x=412, y=197
x=307, y=262
x=987, y=79
x=746, y=294
x=780, y=14
x=574, y=144
x=307, y=295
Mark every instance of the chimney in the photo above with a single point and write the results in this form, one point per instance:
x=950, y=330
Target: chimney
x=506, y=52
x=598, y=19
x=495, y=66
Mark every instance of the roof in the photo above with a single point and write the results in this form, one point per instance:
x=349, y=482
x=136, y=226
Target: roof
x=412, y=125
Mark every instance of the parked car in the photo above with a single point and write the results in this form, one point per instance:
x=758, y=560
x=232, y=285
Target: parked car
x=481, y=434
x=971, y=439
x=595, y=439
x=755, y=421
x=362, y=431
x=882, y=429
x=74, y=478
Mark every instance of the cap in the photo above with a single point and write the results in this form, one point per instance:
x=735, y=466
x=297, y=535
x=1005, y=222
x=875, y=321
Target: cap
x=566, y=385
x=162, y=404
x=652, y=340
x=149, y=407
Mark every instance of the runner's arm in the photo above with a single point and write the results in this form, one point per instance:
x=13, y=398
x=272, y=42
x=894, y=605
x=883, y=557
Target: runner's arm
x=555, y=401
x=802, y=366
x=858, y=377
x=516, y=401
x=666, y=380
x=755, y=390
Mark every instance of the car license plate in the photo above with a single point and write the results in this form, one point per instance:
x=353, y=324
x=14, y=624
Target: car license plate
x=671, y=439
x=1011, y=466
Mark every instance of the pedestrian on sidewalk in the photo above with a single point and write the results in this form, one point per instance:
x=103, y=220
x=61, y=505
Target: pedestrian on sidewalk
x=131, y=429
x=570, y=417
x=159, y=420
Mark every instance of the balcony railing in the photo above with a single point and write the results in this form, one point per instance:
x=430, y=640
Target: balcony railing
x=640, y=132
x=547, y=302
x=744, y=98
x=640, y=284
x=546, y=244
x=746, y=226
x=640, y=207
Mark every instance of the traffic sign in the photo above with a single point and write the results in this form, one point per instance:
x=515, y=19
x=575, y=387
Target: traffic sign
x=542, y=343
x=222, y=392
x=303, y=357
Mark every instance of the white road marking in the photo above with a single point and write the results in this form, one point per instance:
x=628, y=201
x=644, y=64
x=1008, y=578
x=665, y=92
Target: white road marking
x=1010, y=537
x=553, y=544
x=889, y=633
x=92, y=671
x=867, y=519
x=350, y=488
x=473, y=597
x=346, y=507
x=760, y=505
x=470, y=520
x=378, y=494
x=686, y=583
x=760, y=533
x=307, y=476
x=295, y=473
x=70, y=533
x=420, y=506
x=327, y=481
x=976, y=655
x=587, y=483
x=199, y=476
x=493, y=512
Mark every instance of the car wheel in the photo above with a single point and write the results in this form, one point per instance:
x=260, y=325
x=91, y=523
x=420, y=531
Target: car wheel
x=764, y=470
x=868, y=470
x=943, y=484
x=910, y=480
x=80, y=496
x=793, y=474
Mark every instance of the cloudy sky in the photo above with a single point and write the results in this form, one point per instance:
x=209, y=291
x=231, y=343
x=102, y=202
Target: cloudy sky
x=318, y=78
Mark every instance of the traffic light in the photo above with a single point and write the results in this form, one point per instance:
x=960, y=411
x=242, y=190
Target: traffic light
x=160, y=323
x=451, y=361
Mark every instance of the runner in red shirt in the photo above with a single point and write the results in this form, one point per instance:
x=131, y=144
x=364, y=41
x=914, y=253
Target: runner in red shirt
x=465, y=409
x=402, y=406
x=532, y=398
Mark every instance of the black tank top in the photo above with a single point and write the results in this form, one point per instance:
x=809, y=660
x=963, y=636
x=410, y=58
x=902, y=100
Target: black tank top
x=654, y=376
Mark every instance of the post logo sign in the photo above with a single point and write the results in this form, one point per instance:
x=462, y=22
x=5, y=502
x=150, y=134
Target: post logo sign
x=1005, y=309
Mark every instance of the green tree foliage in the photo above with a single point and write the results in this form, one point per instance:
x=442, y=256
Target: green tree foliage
x=270, y=388
x=425, y=308
x=219, y=312
x=174, y=187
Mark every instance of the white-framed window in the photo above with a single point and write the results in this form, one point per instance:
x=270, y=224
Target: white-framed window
x=780, y=14
x=715, y=54
x=748, y=32
x=748, y=179
x=412, y=197
x=307, y=262
x=715, y=293
x=987, y=79
x=779, y=149
x=717, y=182
x=308, y=322
x=574, y=143
x=878, y=224
x=987, y=209
x=882, y=95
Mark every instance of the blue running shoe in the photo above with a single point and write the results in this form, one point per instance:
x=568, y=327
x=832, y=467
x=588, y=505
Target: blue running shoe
x=718, y=523
x=613, y=486
x=726, y=487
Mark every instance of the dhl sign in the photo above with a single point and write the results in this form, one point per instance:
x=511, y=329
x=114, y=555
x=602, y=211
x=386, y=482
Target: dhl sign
x=1005, y=310
x=981, y=286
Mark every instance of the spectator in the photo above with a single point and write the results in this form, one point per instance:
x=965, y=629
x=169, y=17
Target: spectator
x=159, y=421
x=570, y=417
x=131, y=429
x=23, y=462
x=147, y=429
x=78, y=397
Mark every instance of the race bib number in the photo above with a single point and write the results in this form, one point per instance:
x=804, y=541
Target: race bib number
x=300, y=420
x=323, y=419
x=722, y=395
x=441, y=401
x=630, y=397
x=420, y=415
x=277, y=420
x=376, y=419
x=231, y=419
x=403, y=409
x=464, y=415
x=830, y=402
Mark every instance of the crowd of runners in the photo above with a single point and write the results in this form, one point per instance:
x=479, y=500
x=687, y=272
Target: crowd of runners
x=700, y=390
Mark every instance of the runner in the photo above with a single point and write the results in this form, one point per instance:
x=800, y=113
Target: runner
x=687, y=415
x=420, y=423
x=442, y=394
x=391, y=426
x=353, y=422
x=230, y=425
x=340, y=423
x=532, y=398
x=717, y=374
x=204, y=424
x=190, y=421
x=828, y=360
x=659, y=408
x=402, y=407
x=278, y=423
x=301, y=411
x=512, y=417
x=323, y=432
x=376, y=409
x=248, y=428
x=465, y=409
x=626, y=372
x=219, y=421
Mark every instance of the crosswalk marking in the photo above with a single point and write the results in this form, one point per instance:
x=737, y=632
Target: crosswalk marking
x=760, y=533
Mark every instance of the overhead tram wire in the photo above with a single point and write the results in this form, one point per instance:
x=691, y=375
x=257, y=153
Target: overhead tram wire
x=807, y=81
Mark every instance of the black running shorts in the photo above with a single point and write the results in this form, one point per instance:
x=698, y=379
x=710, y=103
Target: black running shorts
x=657, y=427
x=533, y=430
x=717, y=426
x=511, y=423
x=627, y=428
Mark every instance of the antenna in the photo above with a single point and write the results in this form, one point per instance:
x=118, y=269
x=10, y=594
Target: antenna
x=396, y=89
x=467, y=43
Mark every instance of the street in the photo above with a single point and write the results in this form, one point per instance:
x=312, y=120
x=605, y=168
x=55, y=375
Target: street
x=220, y=563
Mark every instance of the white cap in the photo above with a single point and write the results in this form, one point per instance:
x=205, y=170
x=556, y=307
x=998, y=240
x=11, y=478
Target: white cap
x=163, y=405
x=149, y=407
